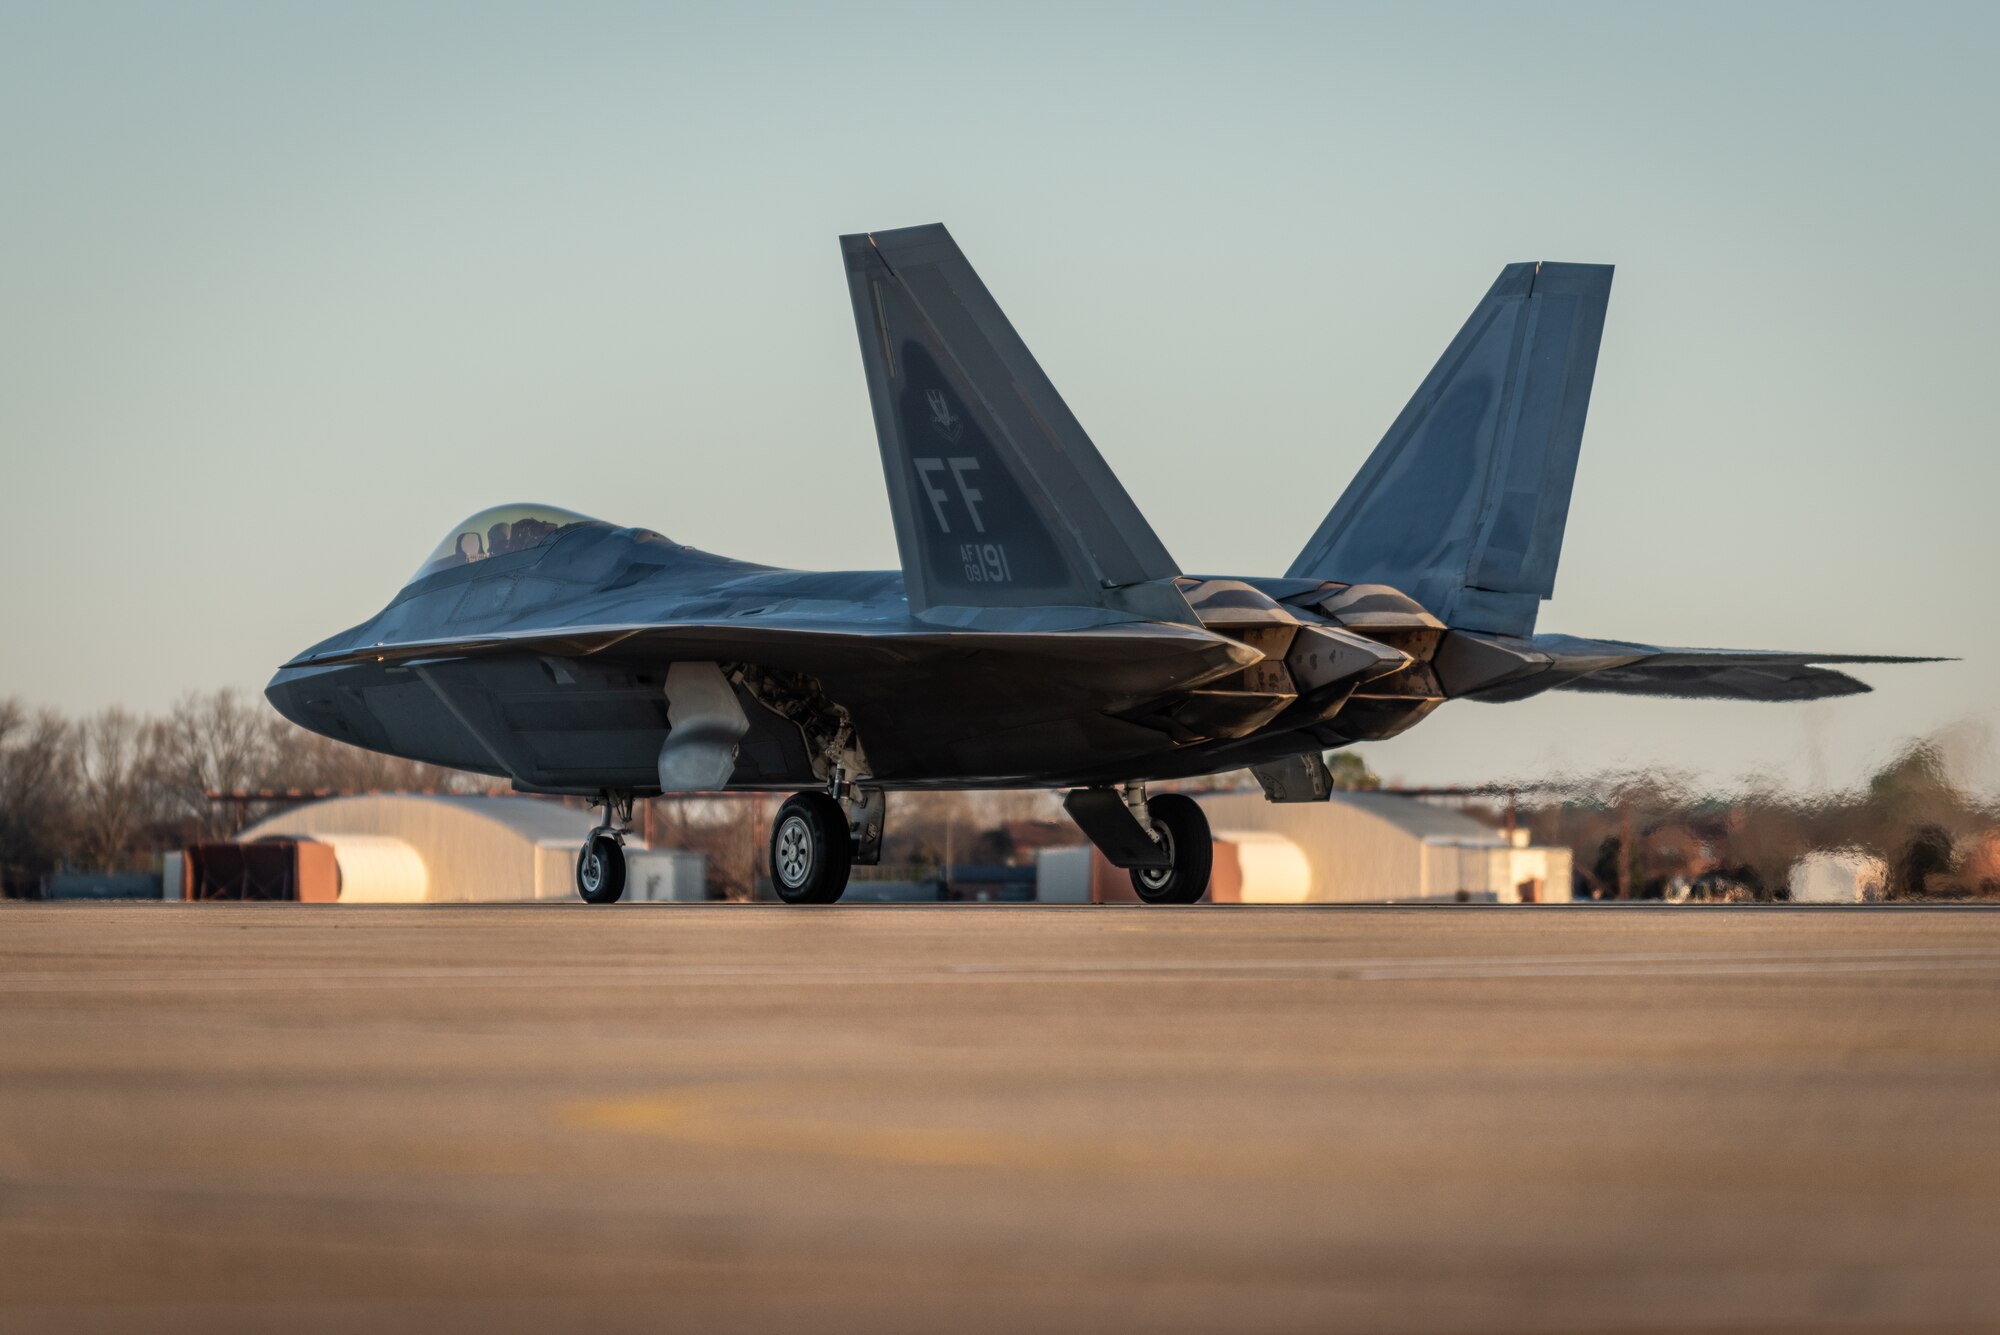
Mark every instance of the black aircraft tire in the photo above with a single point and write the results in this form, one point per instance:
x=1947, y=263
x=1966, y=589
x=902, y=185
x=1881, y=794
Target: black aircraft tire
x=600, y=869
x=1185, y=826
x=811, y=850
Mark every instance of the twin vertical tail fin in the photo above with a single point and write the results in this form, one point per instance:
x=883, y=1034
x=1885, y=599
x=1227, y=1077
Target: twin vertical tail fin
x=1000, y=499
x=1463, y=503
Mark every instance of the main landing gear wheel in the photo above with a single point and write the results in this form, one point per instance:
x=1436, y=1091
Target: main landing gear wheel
x=600, y=868
x=811, y=850
x=1183, y=830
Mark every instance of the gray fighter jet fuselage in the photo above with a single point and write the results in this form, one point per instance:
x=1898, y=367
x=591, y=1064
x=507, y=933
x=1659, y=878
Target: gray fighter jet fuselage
x=1038, y=633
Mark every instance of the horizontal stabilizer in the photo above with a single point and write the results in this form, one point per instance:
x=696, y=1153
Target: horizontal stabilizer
x=1497, y=669
x=1000, y=498
x=1463, y=503
x=1722, y=681
x=1733, y=674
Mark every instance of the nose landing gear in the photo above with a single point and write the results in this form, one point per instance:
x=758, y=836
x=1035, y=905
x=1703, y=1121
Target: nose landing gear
x=600, y=867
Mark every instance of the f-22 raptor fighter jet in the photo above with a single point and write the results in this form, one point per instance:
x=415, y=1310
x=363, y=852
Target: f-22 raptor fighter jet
x=1038, y=633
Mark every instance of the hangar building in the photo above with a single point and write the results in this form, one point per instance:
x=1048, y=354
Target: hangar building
x=1354, y=846
x=423, y=848
x=1361, y=846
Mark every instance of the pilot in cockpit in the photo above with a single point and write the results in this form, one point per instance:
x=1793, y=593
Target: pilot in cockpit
x=502, y=530
x=531, y=532
x=468, y=550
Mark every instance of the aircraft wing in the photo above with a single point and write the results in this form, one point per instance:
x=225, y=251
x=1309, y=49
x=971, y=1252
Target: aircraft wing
x=1127, y=654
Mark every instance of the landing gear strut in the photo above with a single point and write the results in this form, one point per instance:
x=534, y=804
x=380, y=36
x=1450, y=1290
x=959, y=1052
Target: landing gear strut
x=1182, y=828
x=821, y=836
x=600, y=867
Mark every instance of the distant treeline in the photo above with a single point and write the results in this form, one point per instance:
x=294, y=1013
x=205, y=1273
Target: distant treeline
x=1654, y=834
x=112, y=790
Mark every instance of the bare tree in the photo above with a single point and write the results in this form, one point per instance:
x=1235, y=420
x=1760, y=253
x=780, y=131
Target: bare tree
x=35, y=784
x=113, y=797
x=296, y=758
x=1350, y=771
x=205, y=743
x=727, y=829
x=1008, y=805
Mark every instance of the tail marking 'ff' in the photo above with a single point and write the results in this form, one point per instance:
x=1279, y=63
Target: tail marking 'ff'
x=1000, y=498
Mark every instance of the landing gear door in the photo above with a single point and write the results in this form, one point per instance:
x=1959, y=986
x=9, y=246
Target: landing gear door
x=867, y=811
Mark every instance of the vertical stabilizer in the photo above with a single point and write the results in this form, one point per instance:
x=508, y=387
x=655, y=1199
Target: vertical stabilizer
x=1000, y=499
x=1463, y=504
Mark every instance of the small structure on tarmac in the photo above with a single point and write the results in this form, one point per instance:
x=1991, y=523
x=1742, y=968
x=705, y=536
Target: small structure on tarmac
x=665, y=875
x=1838, y=876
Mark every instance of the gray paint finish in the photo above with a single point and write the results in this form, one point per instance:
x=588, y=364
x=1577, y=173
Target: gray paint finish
x=1001, y=499
x=1038, y=633
x=1464, y=502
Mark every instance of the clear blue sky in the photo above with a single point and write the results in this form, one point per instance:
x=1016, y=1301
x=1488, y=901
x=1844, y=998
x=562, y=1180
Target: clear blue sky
x=289, y=289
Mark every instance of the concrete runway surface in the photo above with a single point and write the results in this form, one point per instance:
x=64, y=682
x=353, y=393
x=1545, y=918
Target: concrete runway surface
x=661, y=1117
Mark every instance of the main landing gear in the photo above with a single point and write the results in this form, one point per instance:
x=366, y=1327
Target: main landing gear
x=1181, y=828
x=1162, y=842
x=819, y=837
x=811, y=850
x=600, y=867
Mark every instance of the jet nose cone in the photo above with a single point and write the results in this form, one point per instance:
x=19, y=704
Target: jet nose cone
x=284, y=691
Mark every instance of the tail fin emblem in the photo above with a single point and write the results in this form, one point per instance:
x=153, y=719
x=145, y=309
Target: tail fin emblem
x=948, y=423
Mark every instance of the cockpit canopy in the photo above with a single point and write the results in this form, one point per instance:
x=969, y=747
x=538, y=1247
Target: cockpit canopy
x=499, y=531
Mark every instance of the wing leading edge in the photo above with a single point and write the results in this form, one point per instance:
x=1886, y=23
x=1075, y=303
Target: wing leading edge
x=1171, y=654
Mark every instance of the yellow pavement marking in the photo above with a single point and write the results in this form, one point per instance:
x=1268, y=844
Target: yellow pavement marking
x=764, y=1117
x=733, y=1117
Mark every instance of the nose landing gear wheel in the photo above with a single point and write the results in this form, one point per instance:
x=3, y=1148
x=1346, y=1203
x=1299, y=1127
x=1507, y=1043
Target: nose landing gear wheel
x=1183, y=828
x=811, y=850
x=600, y=868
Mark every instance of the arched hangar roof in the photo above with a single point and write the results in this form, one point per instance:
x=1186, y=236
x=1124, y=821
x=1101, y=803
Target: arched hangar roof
x=1362, y=845
x=470, y=848
x=538, y=820
x=1421, y=819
